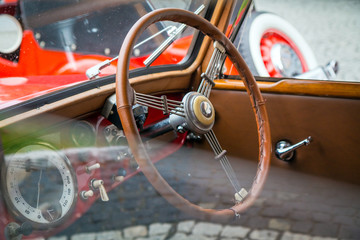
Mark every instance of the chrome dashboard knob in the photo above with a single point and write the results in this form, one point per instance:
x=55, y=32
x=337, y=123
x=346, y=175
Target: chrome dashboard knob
x=86, y=194
x=91, y=168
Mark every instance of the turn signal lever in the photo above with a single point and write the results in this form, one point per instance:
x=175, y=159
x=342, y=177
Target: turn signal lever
x=285, y=151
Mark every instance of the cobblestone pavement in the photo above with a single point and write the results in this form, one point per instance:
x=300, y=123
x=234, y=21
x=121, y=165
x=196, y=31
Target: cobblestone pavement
x=292, y=206
x=330, y=27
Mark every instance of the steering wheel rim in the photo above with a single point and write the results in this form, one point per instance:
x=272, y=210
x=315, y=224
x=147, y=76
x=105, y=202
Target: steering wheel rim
x=125, y=99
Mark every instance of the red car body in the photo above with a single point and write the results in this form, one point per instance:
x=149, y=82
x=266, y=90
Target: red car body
x=29, y=75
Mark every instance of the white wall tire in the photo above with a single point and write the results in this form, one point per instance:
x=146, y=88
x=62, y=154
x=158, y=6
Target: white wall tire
x=257, y=25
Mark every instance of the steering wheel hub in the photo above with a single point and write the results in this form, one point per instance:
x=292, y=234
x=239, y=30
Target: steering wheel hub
x=199, y=113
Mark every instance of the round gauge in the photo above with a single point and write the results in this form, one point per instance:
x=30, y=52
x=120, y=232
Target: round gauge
x=83, y=134
x=39, y=185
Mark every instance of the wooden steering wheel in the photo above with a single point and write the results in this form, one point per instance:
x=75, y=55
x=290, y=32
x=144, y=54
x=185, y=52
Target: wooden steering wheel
x=195, y=112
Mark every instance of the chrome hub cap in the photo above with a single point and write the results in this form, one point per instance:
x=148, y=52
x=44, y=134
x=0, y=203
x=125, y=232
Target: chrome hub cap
x=285, y=60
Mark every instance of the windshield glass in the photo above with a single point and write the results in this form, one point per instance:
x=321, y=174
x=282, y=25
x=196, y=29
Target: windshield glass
x=67, y=37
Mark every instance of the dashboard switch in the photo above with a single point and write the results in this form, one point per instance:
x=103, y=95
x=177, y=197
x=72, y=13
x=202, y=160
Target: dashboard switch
x=119, y=178
x=103, y=194
x=91, y=168
x=99, y=184
x=86, y=194
x=120, y=175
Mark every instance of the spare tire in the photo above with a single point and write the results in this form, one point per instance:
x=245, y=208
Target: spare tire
x=271, y=46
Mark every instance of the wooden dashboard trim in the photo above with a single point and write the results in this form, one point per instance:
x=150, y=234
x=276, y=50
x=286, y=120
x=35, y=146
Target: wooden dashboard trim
x=298, y=87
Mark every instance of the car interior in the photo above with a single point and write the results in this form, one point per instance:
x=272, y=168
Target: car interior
x=226, y=133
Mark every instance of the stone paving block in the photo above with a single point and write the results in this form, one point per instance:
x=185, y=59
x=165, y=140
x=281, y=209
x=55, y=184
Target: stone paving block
x=259, y=202
x=230, y=238
x=316, y=206
x=267, y=194
x=207, y=229
x=181, y=216
x=263, y=235
x=349, y=232
x=301, y=226
x=277, y=212
x=317, y=197
x=157, y=237
x=185, y=226
x=58, y=238
x=159, y=229
x=273, y=202
x=300, y=215
x=84, y=236
x=135, y=231
x=321, y=217
x=347, y=220
x=242, y=221
x=295, y=236
x=183, y=236
x=146, y=215
x=279, y=224
x=323, y=238
x=257, y=222
x=170, y=216
x=200, y=237
x=347, y=211
x=286, y=196
x=234, y=232
x=357, y=220
x=179, y=236
x=109, y=235
x=325, y=229
x=100, y=216
x=252, y=211
x=294, y=205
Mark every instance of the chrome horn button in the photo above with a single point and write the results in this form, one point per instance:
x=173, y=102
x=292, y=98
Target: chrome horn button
x=206, y=109
x=199, y=114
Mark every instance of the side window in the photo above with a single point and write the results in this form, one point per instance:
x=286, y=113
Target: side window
x=304, y=39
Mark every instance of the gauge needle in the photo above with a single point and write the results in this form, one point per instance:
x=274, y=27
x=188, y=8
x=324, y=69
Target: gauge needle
x=38, y=195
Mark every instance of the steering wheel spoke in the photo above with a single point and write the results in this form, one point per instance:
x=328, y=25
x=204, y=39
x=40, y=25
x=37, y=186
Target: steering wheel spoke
x=212, y=70
x=220, y=155
x=168, y=106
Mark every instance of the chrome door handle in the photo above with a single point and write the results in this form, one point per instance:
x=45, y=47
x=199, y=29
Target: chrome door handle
x=285, y=151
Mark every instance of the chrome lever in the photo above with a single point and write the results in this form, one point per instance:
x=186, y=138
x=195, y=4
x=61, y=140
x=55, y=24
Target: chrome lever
x=285, y=151
x=94, y=71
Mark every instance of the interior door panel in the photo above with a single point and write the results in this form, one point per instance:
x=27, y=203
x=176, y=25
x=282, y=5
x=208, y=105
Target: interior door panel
x=332, y=122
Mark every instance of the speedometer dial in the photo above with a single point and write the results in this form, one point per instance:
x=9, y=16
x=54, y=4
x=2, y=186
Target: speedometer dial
x=40, y=185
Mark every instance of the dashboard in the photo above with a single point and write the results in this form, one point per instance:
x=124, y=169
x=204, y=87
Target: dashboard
x=50, y=177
